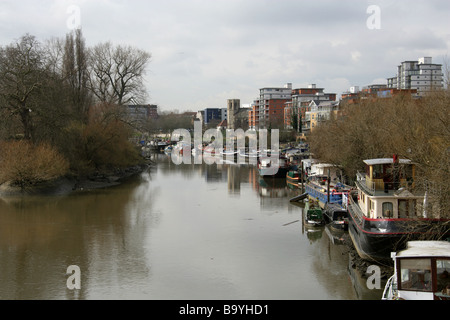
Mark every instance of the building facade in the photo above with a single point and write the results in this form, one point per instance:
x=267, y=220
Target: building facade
x=139, y=115
x=422, y=75
x=300, y=104
x=320, y=111
x=212, y=115
x=253, y=116
x=269, y=107
x=233, y=107
x=373, y=92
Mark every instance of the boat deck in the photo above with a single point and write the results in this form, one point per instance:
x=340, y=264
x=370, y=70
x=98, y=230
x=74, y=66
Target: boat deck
x=320, y=191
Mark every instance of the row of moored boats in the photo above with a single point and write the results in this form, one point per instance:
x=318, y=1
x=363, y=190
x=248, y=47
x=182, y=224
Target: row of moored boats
x=386, y=219
x=384, y=215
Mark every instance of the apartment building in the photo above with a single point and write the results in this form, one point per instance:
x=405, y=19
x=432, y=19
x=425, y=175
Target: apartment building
x=422, y=75
x=139, y=115
x=373, y=92
x=268, y=110
x=300, y=104
x=320, y=111
x=253, y=116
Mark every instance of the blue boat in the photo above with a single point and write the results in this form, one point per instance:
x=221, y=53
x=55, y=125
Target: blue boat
x=325, y=188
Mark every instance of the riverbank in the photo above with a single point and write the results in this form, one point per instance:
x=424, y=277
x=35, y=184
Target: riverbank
x=361, y=265
x=69, y=184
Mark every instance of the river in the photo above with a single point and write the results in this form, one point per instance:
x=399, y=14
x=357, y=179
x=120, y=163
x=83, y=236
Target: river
x=176, y=232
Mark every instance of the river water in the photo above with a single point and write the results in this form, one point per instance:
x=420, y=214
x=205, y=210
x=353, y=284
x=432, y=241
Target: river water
x=176, y=232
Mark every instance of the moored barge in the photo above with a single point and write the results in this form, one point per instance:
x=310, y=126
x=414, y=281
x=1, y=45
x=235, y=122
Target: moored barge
x=386, y=211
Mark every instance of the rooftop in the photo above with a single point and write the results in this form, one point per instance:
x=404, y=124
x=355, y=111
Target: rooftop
x=372, y=162
x=426, y=248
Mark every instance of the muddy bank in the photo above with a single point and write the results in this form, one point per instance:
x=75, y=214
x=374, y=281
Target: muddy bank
x=66, y=185
x=361, y=265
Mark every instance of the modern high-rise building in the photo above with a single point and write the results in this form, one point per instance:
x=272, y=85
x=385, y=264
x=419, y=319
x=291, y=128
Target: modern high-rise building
x=269, y=107
x=422, y=75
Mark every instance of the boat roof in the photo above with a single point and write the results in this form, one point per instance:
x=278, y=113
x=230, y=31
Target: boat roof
x=426, y=249
x=324, y=165
x=372, y=162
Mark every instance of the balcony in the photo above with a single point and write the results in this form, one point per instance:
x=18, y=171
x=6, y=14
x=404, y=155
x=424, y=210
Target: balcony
x=378, y=187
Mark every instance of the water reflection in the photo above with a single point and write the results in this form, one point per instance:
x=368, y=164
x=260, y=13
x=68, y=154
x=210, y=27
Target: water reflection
x=98, y=231
x=177, y=232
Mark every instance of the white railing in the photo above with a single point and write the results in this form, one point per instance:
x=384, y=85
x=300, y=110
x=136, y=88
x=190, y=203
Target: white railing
x=390, y=290
x=355, y=209
x=368, y=187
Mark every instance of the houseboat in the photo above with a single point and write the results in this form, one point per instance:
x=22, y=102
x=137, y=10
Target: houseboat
x=313, y=214
x=296, y=155
x=273, y=167
x=324, y=184
x=158, y=145
x=421, y=272
x=386, y=209
x=296, y=176
x=336, y=216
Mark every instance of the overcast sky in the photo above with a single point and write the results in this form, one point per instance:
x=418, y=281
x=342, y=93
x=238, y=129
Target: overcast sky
x=207, y=51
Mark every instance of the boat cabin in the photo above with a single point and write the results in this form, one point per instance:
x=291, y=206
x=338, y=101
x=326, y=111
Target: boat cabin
x=320, y=171
x=388, y=174
x=421, y=271
x=386, y=190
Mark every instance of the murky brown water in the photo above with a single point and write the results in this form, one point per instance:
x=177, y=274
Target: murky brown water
x=176, y=232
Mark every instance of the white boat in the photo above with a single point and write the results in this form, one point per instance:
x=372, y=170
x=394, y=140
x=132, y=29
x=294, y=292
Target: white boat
x=421, y=272
x=270, y=167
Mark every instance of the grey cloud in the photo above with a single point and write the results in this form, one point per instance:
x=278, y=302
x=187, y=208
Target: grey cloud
x=206, y=49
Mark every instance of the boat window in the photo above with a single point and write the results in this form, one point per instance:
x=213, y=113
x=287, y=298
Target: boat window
x=378, y=171
x=443, y=276
x=388, y=209
x=415, y=274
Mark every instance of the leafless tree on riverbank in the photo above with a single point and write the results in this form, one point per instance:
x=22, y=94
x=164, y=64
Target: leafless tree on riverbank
x=21, y=80
x=117, y=73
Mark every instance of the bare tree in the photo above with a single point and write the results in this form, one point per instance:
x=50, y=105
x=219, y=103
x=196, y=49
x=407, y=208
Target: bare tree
x=21, y=78
x=54, y=54
x=446, y=72
x=75, y=72
x=117, y=73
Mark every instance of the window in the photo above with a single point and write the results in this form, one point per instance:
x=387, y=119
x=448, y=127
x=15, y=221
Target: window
x=443, y=276
x=415, y=274
x=378, y=171
x=388, y=209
